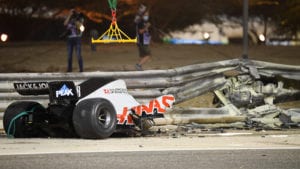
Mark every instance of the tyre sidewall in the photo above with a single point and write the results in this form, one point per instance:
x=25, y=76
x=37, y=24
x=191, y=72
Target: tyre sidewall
x=85, y=119
x=13, y=110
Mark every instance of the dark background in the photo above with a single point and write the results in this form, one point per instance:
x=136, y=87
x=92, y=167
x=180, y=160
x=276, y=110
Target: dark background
x=29, y=19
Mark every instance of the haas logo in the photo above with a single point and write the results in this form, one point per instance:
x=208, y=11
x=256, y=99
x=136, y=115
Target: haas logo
x=156, y=106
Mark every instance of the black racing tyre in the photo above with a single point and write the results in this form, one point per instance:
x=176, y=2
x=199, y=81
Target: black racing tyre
x=17, y=119
x=94, y=119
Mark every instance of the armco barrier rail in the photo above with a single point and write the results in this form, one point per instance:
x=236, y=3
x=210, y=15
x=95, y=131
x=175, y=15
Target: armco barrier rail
x=183, y=82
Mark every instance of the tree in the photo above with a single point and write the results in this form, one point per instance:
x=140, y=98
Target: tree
x=288, y=20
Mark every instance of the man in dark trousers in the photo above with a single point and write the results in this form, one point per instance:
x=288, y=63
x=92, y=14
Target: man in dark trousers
x=143, y=36
x=74, y=26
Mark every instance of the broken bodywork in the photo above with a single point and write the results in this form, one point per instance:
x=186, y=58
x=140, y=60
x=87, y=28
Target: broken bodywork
x=249, y=96
x=256, y=99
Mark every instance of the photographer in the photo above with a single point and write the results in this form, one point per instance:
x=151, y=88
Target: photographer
x=74, y=26
x=143, y=36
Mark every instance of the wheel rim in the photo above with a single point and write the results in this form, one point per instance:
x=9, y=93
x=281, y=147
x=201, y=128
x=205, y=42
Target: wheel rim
x=104, y=118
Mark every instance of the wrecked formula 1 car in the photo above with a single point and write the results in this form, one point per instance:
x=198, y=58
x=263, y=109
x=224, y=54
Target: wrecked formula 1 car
x=257, y=98
x=94, y=109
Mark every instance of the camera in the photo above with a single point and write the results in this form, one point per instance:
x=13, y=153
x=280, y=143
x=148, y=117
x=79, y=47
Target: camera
x=76, y=20
x=77, y=16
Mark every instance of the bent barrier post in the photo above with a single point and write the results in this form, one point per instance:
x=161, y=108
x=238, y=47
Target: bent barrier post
x=183, y=82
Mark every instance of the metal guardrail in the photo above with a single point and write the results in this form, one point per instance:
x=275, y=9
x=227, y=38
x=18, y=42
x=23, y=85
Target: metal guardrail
x=183, y=82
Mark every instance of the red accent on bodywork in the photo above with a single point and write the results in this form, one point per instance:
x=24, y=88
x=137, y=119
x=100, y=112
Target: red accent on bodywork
x=154, y=104
x=106, y=91
x=167, y=98
x=125, y=117
x=159, y=105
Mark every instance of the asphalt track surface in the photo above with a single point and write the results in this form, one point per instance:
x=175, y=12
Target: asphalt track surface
x=192, y=159
x=221, y=151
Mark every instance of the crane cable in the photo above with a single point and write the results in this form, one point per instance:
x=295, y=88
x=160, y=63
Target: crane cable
x=114, y=33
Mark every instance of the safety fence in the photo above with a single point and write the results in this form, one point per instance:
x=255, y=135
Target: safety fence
x=183, y=82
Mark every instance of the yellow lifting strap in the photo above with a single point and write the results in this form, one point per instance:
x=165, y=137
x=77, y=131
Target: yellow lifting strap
x=114, y=34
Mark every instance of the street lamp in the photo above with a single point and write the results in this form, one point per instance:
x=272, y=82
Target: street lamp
x=262, y=37
x=206, y=36
x=4, y=37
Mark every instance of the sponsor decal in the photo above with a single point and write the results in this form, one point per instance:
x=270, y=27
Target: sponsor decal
x=156, y=106
x=37, y=86
x=115, y=91
x=64, y=91
x=125, y=117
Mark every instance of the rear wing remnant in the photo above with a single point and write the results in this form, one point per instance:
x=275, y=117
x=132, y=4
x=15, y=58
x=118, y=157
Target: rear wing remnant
x=32, y=88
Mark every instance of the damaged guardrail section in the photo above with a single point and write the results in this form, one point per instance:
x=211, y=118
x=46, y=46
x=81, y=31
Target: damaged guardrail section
x=246, y=92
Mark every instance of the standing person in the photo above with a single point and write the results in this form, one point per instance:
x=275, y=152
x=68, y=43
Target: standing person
x=143, y=36
x=74, y=25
